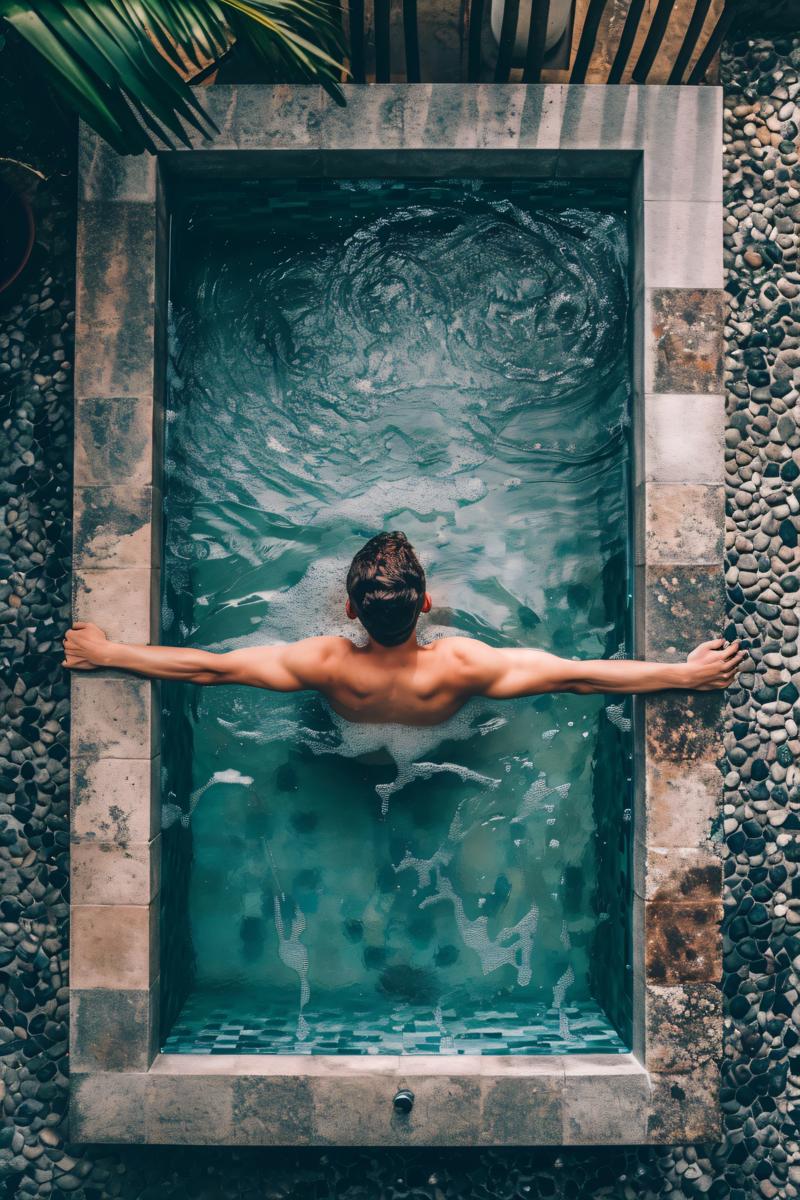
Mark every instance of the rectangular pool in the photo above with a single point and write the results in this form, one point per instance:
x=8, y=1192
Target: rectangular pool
x=449, y=358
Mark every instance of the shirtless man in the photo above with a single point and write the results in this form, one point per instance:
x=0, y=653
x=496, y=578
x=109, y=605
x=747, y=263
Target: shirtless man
x=392, y=678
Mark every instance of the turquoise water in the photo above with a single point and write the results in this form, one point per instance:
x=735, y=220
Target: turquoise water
x=450, y=359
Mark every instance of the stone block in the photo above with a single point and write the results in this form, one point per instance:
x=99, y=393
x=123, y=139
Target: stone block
x=683, y=351
x=113, y=1030
x=105, y=175
x=114, y=946
x=446, y=1111
x=683, y=439
x=683, y=1025
x=114, y=717
x=606, y=1099
x=685, y=1107
x=525, y=1111
x=682, y=244
x=683, y=125
x=682, y=942
x=272, y=1111
x=190, y=1110
x=682, y=727
x=107, y=1107
x=115, y=799
x=117, y=527
x=114, y=302
x=115, y=873
x=423, y=116
x=677, y=607
x=679, y=801
x=678, y=875
x=114, y=441
x=603, y=118
x=683, y=523
x=249, y=117
x=123, y=601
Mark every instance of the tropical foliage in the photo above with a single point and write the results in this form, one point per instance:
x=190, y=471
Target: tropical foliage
x=126, y=66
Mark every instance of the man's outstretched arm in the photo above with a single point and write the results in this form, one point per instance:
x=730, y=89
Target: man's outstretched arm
x=286, y=667
x=507, y=673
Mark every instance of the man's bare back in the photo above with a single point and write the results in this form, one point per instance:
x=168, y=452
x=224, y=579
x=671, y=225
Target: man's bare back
x=393, y=678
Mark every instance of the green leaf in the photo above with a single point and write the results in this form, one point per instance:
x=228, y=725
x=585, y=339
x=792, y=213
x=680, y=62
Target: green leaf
x=122, y=64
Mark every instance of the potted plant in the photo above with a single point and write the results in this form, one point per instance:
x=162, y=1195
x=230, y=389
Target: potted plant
x=18, y=182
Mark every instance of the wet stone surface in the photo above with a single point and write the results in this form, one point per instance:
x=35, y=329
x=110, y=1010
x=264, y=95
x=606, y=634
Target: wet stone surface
x=758, y=1154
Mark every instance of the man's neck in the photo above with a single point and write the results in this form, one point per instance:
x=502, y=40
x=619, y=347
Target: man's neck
x=395, y=653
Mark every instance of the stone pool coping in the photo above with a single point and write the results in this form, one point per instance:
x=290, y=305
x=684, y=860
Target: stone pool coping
x=667, y=142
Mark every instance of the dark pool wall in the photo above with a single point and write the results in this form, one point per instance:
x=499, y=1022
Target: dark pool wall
x=758, y=1157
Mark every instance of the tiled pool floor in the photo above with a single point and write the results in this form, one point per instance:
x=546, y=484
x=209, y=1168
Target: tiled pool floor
x=205, y=1027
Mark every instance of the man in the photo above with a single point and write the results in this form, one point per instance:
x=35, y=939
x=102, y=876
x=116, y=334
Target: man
x=392, y=678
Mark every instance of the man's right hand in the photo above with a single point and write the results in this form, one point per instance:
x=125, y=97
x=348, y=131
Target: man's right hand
x=714, y=665
x=84, y=645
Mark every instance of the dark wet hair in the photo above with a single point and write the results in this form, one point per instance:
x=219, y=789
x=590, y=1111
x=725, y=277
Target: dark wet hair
x=386, y=586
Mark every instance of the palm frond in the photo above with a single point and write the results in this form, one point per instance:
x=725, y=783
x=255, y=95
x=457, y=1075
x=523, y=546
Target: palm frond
x=123, y=65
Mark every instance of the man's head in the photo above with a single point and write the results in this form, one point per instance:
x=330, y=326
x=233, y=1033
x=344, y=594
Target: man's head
x=386, y=588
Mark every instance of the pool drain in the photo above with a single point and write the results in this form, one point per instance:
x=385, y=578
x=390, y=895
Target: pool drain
x=404, y=1101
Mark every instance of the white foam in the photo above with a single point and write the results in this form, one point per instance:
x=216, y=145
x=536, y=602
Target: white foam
x=170, y=813
x=294, y=955
x=616, y=715
x=512, y=947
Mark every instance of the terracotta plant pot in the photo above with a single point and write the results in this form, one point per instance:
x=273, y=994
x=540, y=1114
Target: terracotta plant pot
x=17, y=230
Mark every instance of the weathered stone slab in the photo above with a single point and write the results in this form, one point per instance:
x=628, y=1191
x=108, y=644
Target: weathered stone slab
x=683, y=523
x=538, y=1121
x=685, y=1107
x=683, y=1026
x=115, y=293
x=114, y=717
x=682, y=727
x=114, y=441
x=683, y=439
x=679, y=800
x=678, y=875
x=682, y=942
x=677, y=607
x=114, y=873
x=272, y=1111
x=446, y=1111
x=683, y=345
x=117, y=527
x=189, y=1110
x=123, y=601
x=105, y=175
x=107, y=1107
x=605, y=1101
x=114, y=946
x=281, y=117
x=424, y=116
x=115, y=799
x=682, y=245
x=113, y=1030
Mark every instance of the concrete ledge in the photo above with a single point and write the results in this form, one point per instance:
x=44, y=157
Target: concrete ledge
x=276, y=1100
x=318, y=1100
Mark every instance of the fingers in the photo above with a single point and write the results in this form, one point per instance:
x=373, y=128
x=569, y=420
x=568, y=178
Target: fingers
x=731, y=650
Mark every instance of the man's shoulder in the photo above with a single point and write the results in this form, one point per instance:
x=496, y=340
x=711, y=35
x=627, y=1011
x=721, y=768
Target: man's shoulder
x=324, y=647
x=461, y=650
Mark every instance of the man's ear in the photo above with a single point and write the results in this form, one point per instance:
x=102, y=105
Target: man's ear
x=351, y=612
x=426, y=603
